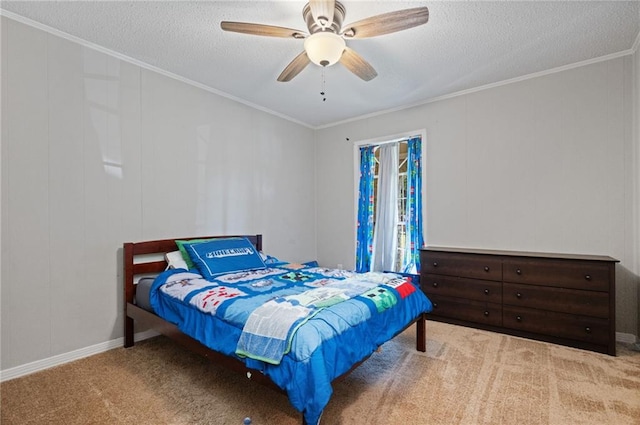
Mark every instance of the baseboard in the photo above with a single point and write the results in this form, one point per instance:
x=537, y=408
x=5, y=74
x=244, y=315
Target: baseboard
x=625, y=337
x=26, y=369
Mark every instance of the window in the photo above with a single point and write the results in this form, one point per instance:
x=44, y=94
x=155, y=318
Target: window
x=397, y=210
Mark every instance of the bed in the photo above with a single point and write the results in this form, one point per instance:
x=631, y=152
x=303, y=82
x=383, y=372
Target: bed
x=222, y=309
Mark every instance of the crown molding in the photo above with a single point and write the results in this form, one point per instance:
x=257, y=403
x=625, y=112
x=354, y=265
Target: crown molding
x=488, y=86
x=149, y=67
x=142, y=64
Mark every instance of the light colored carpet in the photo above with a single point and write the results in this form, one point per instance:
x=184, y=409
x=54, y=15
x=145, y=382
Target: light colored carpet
x=467, y=376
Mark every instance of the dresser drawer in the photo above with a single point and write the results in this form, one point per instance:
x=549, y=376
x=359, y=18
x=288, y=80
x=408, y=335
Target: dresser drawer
x=548, y=272
x=462, y=265
x=579, y=328
x=461, y=287
x=469, y=310
x=571, y=301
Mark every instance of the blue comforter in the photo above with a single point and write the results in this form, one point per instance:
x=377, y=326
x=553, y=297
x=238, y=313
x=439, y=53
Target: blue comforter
x=294, y=323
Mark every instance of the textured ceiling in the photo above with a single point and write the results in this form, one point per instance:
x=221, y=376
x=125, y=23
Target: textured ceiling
x=463, y=46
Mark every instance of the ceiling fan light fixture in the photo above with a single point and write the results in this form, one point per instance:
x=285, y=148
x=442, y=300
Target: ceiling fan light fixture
x=324, y=48
x=326, y=43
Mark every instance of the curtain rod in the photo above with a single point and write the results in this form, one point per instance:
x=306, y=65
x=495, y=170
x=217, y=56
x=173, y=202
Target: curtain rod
x=386, y=142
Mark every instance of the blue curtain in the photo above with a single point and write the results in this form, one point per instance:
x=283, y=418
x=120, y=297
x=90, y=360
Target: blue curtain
x=414, y=206
x=364, y=243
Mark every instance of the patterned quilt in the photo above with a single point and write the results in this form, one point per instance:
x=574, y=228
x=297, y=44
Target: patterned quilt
x=291, y=314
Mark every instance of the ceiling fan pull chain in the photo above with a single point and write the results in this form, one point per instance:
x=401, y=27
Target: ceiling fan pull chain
x=322, y=91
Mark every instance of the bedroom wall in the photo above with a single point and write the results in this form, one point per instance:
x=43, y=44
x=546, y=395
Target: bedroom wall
x=97, y=151
x=544, y=164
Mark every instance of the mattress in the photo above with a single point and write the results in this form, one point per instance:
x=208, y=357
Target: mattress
x=143, y=290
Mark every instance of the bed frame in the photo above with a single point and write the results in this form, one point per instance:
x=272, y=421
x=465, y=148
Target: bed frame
x=147, y=258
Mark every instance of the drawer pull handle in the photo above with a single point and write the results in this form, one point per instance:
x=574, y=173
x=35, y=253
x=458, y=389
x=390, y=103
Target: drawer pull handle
x=435, y=264
x=518, y=295
x=519, y=318
x=486, y=313
x=486, y=268
x=435, y=305
x=518, y=271
x=435, y=284
x=486, y=292
x=587, y=330
x=587, y=276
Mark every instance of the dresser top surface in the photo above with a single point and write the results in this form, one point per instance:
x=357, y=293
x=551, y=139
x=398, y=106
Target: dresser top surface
x=505, y=253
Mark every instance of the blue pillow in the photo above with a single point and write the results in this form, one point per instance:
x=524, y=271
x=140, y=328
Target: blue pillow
x=220, y=256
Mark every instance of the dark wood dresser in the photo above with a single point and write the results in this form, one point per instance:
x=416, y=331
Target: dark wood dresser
x=560, y=298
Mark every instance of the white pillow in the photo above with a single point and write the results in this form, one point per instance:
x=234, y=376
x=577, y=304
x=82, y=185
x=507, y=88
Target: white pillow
x=175, y=260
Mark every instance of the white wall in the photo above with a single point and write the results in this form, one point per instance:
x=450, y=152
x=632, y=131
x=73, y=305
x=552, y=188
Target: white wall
x=539, y=165
x=96, y=152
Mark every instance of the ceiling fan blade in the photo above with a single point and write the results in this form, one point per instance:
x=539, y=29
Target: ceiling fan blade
x=259, y=29
x=387, y=23
x=294, y=68
x=356, y=64
x=322, y=11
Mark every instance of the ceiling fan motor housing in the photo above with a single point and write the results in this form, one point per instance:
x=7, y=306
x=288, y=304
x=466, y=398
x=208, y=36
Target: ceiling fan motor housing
x=336, y=25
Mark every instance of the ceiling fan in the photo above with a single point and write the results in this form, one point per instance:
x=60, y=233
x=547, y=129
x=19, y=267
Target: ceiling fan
x=325, y=44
